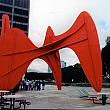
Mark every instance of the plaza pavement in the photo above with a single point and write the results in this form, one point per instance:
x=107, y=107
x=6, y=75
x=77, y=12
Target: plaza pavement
x=67, y=98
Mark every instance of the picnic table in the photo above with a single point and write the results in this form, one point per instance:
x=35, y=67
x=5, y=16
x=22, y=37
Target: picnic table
x=2, y=100
x=14, y=98
x=103, y=99
x=2, y=92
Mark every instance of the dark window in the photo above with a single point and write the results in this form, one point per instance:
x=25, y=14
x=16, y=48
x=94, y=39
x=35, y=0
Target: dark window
x=5, y=8
x=10, y=2
x=20, y=26
x=21, y=12
x=20, y=19
x=1, y=15
x=22, y=3
x=0, y=23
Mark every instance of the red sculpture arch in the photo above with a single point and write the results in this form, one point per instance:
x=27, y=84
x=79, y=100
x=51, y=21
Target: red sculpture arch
x=17, y=51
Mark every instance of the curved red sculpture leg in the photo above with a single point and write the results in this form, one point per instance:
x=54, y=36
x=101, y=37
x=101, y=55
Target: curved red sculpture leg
x=54, y=62
x=53, y=59
x=86, y=47
x=19, y=51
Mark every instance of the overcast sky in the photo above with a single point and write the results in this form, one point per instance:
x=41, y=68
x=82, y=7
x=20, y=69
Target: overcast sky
x=60, y=15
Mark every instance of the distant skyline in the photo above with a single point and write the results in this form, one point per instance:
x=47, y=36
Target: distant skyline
x=60, y=15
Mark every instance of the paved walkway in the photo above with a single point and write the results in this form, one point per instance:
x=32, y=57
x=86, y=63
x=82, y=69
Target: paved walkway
x=67, y=98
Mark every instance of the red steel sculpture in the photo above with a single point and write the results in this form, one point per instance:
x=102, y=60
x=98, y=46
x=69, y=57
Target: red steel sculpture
x=17, y=52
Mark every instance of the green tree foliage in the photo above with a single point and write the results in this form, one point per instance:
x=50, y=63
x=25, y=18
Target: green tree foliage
x=106, y=60
x=79, y=73
x=73, y=72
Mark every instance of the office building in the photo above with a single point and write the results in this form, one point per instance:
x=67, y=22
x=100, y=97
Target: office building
x=18, y=11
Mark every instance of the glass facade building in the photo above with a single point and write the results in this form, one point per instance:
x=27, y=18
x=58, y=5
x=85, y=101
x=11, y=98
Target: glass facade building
x=18, y=11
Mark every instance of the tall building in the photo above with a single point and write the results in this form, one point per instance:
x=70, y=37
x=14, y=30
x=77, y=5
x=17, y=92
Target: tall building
x=18, y=11
x=107, y=40
x=63, y=64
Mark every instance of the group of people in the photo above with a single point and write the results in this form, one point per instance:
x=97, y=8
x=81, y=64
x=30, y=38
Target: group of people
x=32, y=85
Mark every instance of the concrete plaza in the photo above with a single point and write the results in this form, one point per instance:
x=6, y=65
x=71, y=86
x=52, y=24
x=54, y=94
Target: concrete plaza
x=67, y=98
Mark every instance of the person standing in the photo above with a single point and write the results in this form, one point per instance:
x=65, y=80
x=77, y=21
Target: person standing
x=39, y=86
x=43, y=84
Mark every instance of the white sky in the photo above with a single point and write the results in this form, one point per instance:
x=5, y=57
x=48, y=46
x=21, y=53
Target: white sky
x=60, y=15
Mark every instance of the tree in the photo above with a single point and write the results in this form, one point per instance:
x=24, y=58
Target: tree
x=106, y=60
x=73, y=72
x=79, y=73
x=67, y=74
